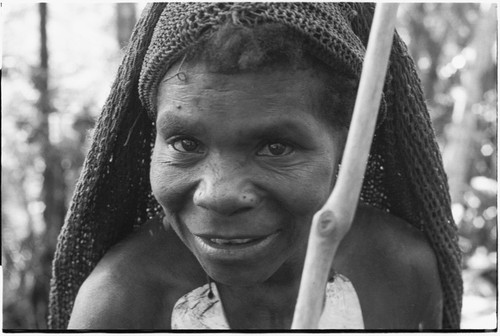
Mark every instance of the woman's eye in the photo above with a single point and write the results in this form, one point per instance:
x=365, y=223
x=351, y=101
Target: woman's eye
x=275, y=149
x=186, y=145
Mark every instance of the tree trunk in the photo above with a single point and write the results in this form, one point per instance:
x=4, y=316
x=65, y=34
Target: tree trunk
x=457, y=154
x=53, y=187
x=125, y=22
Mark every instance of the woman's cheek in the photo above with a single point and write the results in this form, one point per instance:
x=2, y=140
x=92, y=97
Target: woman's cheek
x=157, y=182
x=305, y=188
x=170, y=185
x=311, y=195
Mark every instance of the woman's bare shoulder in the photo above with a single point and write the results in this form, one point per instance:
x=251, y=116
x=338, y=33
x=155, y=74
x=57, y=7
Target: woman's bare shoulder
x=136, y=283
x=390, y=233
x=391, y=261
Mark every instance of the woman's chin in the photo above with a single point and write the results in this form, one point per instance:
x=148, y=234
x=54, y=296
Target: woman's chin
x=239, y=275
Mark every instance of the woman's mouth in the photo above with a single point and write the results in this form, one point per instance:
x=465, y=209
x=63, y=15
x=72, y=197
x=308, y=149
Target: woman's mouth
x=235, y=248
x=236, y=241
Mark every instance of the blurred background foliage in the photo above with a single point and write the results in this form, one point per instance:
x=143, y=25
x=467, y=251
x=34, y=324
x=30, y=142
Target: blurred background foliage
x=58, y=62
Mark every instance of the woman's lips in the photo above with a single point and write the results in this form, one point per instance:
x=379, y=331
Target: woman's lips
x=236, y=241
x=234, y=248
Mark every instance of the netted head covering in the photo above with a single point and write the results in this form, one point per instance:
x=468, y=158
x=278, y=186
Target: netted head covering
x=113, y=197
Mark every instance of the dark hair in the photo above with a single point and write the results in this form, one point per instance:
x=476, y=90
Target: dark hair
x=236, y=48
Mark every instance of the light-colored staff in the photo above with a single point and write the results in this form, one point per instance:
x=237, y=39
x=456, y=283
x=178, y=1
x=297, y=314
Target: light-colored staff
x=333, y=221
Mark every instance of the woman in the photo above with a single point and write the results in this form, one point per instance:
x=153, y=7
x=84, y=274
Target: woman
x=220, y=140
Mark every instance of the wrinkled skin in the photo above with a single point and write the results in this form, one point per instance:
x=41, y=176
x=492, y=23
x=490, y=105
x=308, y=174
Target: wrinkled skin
x=230, y=155
x=247, y=156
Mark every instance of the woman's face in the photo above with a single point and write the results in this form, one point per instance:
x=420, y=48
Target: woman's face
x=241, y=163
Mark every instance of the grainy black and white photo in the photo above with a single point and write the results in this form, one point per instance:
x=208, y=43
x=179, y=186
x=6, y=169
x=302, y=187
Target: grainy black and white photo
x=249, y=166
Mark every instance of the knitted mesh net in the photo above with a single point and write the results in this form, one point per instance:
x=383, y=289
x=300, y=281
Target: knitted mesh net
x=113, y=197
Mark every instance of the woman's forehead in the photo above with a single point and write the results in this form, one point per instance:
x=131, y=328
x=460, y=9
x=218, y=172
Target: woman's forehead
x=259, y=98
x=195, y=79
x=278, y=89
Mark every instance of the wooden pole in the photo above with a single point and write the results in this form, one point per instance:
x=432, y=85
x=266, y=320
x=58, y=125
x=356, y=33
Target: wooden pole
x=333, y=221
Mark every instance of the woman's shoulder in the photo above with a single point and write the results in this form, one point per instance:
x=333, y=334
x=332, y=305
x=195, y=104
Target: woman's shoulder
x=390, y=261
x=385, y=232
x=136, y=283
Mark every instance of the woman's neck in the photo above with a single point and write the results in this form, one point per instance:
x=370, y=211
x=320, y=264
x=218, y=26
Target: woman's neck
x=267, y=305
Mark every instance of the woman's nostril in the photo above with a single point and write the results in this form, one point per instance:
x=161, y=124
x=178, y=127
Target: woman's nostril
x=225, y=198
x=241, y=210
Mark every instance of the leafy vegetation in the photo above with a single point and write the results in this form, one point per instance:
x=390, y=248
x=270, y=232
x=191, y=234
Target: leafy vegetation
x=50, y=106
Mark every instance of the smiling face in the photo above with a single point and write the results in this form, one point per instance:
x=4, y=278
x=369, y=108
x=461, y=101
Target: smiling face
x=241, y=163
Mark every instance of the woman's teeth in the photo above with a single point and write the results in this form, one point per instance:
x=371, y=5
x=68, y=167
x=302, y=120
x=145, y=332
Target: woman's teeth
x=232, y=249
x=231, y=241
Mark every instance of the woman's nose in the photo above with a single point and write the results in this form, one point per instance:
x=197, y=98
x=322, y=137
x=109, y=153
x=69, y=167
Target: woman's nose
x=226, y=194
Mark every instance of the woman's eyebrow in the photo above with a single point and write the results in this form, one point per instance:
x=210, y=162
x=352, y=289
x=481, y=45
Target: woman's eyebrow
x=169, y=123
x=281, y=128
x=178, y=124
